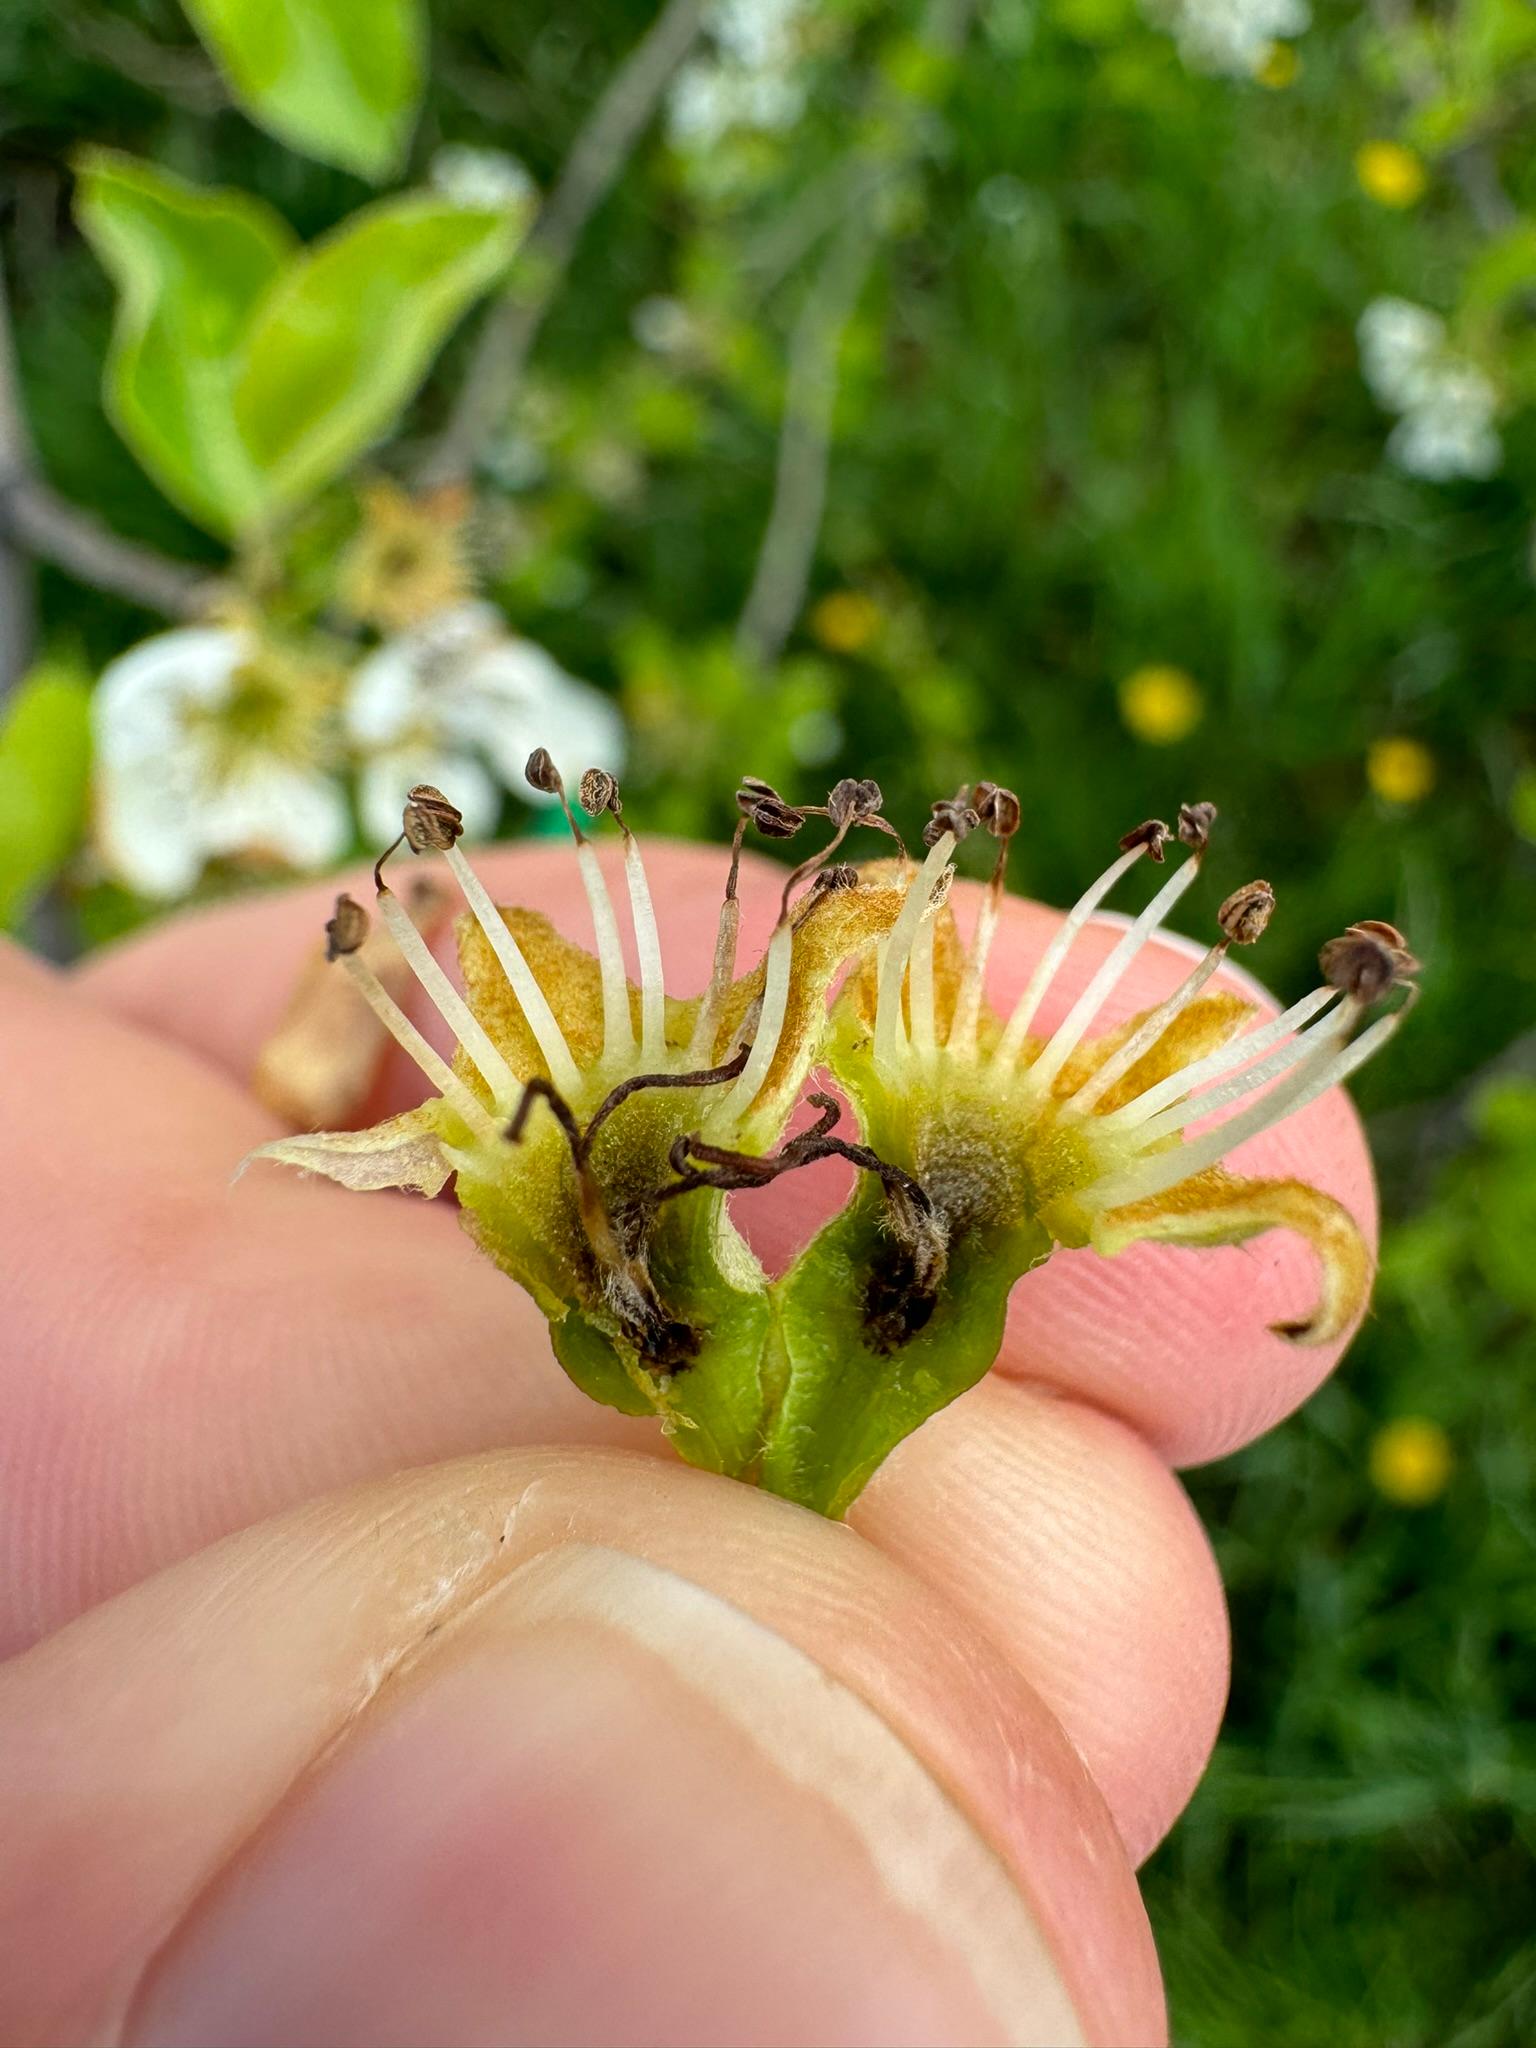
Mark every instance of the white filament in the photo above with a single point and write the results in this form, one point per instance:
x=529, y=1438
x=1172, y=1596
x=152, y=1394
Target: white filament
x=962, y=1029
x=411, y=1042
x=1050, y=960
x=1064, y=1041
x=1234, y=1054
x=1166, y=1169
x=770, y=1022
x=453, y=1009
x=889, y=1033
x=701, y=1046
x=618, y=1031
x=653, y=994
x=520, y=976
x=924, y=1023
x=1311, y=1045
x=1146, y=1034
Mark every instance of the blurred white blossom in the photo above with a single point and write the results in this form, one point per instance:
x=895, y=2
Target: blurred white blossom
x=750, y=81
x=1229, y=37
x=462, y=703
x=211, y=744
x=1446, y=405
x=487, y=180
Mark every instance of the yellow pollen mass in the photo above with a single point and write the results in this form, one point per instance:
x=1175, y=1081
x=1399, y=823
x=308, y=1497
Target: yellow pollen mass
x=1161, y=704
x=1411, y=1461
x=845, y=621
x=1400, y=771
x=1391, y=173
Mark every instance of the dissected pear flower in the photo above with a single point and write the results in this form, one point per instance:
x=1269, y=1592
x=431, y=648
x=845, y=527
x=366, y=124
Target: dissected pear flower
x=458, y=701
x=595, y=1128
x=215, y=743
x=579, y=1109
x=1022, y=1142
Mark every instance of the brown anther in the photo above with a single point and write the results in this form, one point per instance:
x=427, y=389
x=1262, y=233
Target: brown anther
x=844, y=876
x=1246, y=912
x=346, y=928
x=950, y=814
x=1194, y=828
x=760, y=803
x=1153, y=835
x=852, y=801
x=1367, y=960
x=541, y=773
x=998, y=809
x=432, y=824
x=599, y=792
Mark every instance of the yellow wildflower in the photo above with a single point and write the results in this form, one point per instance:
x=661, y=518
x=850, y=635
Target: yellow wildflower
x=1391, y=173
x=1161, y=704
x=407, y=562
x=1400, y=771
x=1411, y=1461
x=845, y=621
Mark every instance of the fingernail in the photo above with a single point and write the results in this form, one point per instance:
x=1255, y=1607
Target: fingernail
x=615, y=1808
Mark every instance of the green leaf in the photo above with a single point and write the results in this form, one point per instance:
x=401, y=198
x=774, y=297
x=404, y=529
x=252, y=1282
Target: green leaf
x=190, y=264
x=340, y=344
x=334, y=78
x=45, y=749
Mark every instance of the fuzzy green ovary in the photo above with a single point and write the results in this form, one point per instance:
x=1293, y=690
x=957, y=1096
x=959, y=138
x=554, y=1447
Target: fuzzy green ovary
x=521, y=1204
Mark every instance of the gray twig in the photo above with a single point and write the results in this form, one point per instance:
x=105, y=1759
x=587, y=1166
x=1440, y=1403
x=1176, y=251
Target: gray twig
x=787, y=552
x=596, y=158
x=35, y=521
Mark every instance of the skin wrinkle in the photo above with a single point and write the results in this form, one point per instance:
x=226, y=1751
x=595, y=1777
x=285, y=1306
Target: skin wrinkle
x=802, y=1593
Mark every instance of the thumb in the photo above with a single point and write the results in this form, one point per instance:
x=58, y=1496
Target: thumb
x=550, y=1747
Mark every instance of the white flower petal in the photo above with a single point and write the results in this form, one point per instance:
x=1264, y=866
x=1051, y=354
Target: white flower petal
x=147, y=833
x=295, y=815
x=396, y=689
x=515, y=705
x=137, y=707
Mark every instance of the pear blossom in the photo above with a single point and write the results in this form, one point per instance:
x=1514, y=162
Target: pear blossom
x=750, y=82
x=1230, y=38
x=460, y=702
x=210, y=744
x=595, y=1127
x=1446, y=405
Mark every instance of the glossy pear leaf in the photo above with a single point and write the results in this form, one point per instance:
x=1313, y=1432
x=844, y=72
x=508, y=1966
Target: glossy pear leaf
x=329, y=77
x=338, y=347
x=45, y=752
x=190, y=265
x=849, y=1401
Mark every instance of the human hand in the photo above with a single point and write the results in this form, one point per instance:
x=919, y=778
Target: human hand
x=562, y=1744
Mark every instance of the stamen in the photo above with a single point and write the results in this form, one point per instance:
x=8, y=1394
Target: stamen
x=344, y=935
x=723, y=970
x=542, y=1022
x=890, y=1032
x=599, y=793
x=433, y=825
x=1234, y=1054
x=1315, y=1044
x=618, y=1029
x=1143, y=840
x=1000, y=812
x=1146, y=1034
x=1166, y=1169
x=1067, y=1036
x=924, y=1023
x=451, y=1006
x=770, y=1023
x=1243, y=918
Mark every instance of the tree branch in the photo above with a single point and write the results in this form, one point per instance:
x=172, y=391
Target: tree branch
x=35, y=521
x=787, y=553
x=597, y=156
